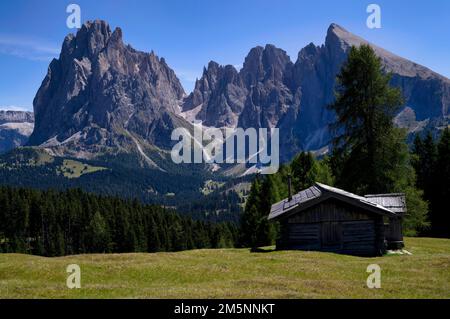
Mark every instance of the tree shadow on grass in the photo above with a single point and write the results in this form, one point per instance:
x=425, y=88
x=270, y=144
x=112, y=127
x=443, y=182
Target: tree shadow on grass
x=263, y=250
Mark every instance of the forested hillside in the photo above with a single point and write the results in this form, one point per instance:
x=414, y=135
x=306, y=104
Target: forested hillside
x=123, y=176
x=51, y=223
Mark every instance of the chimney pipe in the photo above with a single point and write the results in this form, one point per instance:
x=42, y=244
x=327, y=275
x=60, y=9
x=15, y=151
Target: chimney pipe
x=290, y=187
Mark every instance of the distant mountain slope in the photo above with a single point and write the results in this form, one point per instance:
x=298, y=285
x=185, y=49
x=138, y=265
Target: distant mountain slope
x=15, y=128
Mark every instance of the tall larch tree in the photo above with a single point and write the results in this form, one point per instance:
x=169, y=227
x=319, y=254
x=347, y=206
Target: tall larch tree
x=370, y=154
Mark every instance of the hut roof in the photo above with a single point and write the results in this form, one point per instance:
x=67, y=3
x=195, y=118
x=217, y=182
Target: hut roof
x=393, y=202
x=320, y=192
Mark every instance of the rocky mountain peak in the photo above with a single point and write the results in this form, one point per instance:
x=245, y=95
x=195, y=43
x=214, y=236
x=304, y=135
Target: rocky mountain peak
x=265, y=64
x=336, y=30
x=218, y=97
x=256, y=96
x=267, y=74
x=339, y=37
x=309, y=51
x=90, y=39
x=253, y=68
x=213, y=66
x=103, y=95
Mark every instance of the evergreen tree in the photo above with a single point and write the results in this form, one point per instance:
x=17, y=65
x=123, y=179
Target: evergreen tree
x=370, y=155
x=98, y=234
x=269, y=194
x=324, y=174
x=440, y=207
x=415, y=221
x=365, y=107
x=306, y=171
x=60, y=245
x=251, y=217
x=303, y=171
x=154, y=244
x=424, y=162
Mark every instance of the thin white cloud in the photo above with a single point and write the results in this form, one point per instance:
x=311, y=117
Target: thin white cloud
x=15, y=108
x=187, y=78
x=187, y=75
x=32, y=49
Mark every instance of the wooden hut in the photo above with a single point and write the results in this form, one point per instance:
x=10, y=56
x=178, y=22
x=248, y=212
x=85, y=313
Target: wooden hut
x=325, y=218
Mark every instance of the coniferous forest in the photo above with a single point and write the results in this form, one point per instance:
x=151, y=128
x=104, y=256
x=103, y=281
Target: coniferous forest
x=51, y=223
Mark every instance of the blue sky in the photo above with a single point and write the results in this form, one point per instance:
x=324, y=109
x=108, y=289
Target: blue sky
x=189, y=33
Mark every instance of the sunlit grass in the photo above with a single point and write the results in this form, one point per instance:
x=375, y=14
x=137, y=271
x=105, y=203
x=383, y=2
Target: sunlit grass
x=75, y=169
x=232, y=273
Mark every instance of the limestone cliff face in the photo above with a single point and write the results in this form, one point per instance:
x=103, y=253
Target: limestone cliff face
x=218, y=97
x=267, y=74
x=256, y=96
x=102, y=94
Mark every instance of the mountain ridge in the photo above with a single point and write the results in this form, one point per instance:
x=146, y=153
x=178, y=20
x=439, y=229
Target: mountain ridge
x=297, y=96
x=114, y=98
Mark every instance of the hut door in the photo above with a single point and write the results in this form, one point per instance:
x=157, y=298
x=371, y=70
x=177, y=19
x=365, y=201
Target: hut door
x=331, y=236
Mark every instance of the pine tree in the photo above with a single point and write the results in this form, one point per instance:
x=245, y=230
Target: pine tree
x=265, y=230
x=154, y=244
x=365, y=107
x=98, y=234
x=415, y=221
x=370, y=155
x=60, y=245
x=441, y=215
x=424, y=162
x=303, y=171
x=250, y=218
x=306, y=171
x=324, y=174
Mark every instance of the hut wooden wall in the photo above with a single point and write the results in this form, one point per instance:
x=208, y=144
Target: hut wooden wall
x=394, y=233
x=333, y=226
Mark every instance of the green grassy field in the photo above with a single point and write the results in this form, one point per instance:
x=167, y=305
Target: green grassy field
x=232, y=273
x=75, y=169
